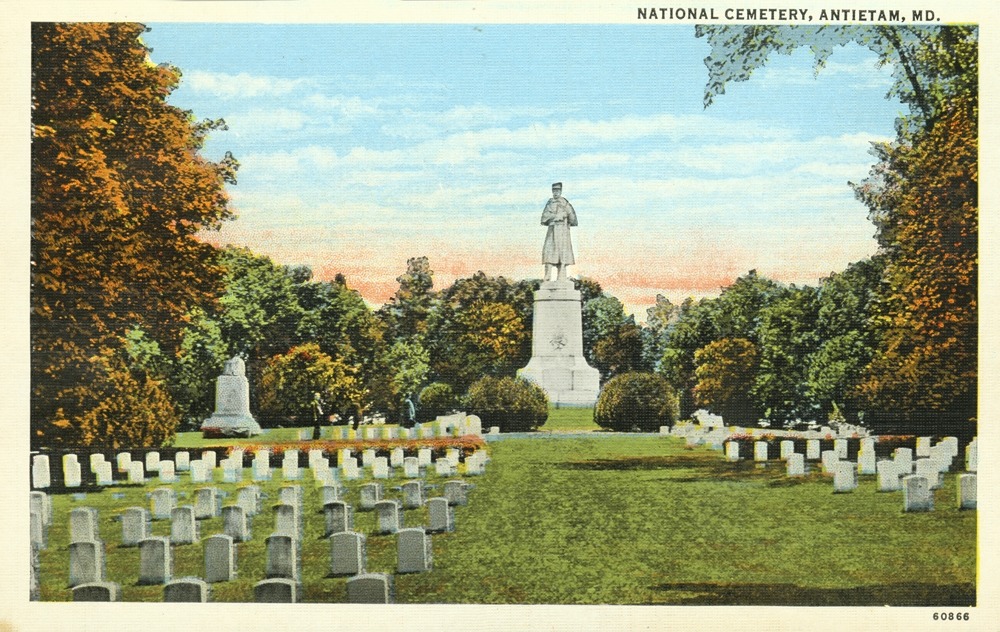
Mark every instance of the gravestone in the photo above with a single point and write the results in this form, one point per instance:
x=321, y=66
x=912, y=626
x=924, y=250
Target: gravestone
x=182, y=461
x=83, y=525
x=291, y=495
x=163, y=499
x=277, y=590
x=249, y=498
x=232, y=416
x=152, y=461
x=348, y=554
x=368, y=458
x=96, y=459
x=380, y=468
x=329, y=494
x=829, y=459
x=456, y=492
x=72, y=476
x=235, y=523
x=812, y=449
x=795, y=465
x=396, y=457
x=38, y=532
x=220, y=558
x=474, y=465
x=440, y=516
x=787, y=448
x=183, y=525
x=206, y=503
x=413, y=494
x=413, y=551
x=967, y=491
x=845, y=477
x=904, y=460
x=733, y=451
x=474, y=425
x=424, y=457
x=98, y=591
x=40, y=502
x=350, y=469
x=155, y=561
x=231, y=473
x=840, y=447
x=370, y=588
x=186, y=589
x=760, y=451
x=136, y=473
x=135, y=526
x=917, y=495
x=41, y=477
x=425, y=431
x=314, y=456
x=199, y=472
x=338, y=517
x=167, y=473
x=86, y=563
x=923, y=447
x=866, y=461
x=210, y=459
x=371, y=432
x=888, y=476
x=104, y=474
x=931, y=470
x=411, y=467
x=123, y=460
x=286, y=520
x=443, y=467
x=261, y=466
x=371, y=493
x=390, y=518
x=972, y=456
x=290, y=470
x=282, y=556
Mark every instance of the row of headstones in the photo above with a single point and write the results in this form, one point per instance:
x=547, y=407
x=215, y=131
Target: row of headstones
x=694, y=430
x=450, y=426
x=917, y=478
x=202, y=470
x=347, y=547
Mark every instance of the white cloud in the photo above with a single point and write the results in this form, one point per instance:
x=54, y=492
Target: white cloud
x=257, y=121
x=243, y=85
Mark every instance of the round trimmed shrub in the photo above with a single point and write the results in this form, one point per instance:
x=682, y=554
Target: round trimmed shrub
x=437, y=398
x=512, y=404
x=636, y=402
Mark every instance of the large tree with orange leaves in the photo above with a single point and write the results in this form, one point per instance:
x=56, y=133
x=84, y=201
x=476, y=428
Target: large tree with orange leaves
x=118, y=193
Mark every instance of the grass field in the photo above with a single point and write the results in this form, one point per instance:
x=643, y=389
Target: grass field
x=608, y=520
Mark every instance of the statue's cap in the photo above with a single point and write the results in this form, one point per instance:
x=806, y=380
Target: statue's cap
x=557, y=185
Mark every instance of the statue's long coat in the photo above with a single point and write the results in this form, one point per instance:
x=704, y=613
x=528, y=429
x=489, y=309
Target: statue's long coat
x=558, y=216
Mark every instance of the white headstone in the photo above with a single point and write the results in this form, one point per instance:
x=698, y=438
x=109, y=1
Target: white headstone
x=760, y=450
x=733, y=451
x=917, y=494
x=370, y=588
x=290, y=466
x=440, y=516
x=249, y=498
x=206, y=503
x=104, y=474
x=971, y=457
x=135, y=526
x=41, y=503
x=183, y=526
x=829, y=462
x=413, y=551
x=72, y=476
x=167, y=474
x=411, y=467
x=96, y=459
x=367, y=458
x=888, y=476
x=235, y=523
x=98, y=591
x=380, y=468
x=155, y=562
x=123, y=460
x=967, y=491
x=904, y=460
x=812, y=449
x=152, y=461
x=86, y=562
x=396, y=457
x=413, y=494
x=795, y=465
x=220, y=558
x=347, y=553
x=210, y=459
x=350, y=470
x=277, y=590
x=41, y=477
x=163, y=500
x=866, y=461
x=186, y=589
x=923, y=447
x=456, y=492
x=84, y=525
x=931, y=470
x=787, y=448
x=282, y=556
x=390, y=518
x=338, y=517
x=182, y=461
x=840, y=447
x=424, y=456
x=845, y=477
x=371, y=493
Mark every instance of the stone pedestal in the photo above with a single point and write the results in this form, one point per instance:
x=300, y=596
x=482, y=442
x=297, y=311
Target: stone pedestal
x=232, y=416
x=557, y=363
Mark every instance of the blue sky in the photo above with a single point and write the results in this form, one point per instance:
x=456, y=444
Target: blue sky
x=364, y=145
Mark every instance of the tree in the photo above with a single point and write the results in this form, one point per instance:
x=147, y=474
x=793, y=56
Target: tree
x=118, y=193
x=726, y=372
x=290, y=381
x=405, y=313
x=925, y=372
x=511, y=404
x=636, y=401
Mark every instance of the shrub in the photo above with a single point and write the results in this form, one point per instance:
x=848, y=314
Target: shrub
x=437, y=398
x=643, y=401
x=512, y=404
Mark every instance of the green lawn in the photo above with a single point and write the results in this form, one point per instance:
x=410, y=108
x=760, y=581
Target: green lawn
x=610, y=520
x=570, y=420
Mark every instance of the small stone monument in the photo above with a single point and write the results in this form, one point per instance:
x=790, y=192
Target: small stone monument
x=232, y=416
x=557, y=363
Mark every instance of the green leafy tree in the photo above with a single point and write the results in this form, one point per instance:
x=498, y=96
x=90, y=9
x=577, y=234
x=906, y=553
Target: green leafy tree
x=406, y=312
x=118, y=193
x=726, y=373
x=437, y=398
x=290, y=381
x=511, y=404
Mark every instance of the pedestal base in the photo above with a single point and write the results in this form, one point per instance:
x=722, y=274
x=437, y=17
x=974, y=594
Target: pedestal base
x=572, y=383
x=222, y=425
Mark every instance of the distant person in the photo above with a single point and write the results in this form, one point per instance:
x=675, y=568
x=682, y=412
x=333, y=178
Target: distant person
x=409, y=413
x=317, y=414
